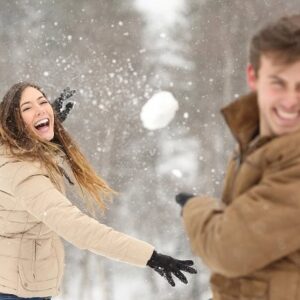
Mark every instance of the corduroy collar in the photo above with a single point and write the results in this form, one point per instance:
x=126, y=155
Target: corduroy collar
x=242, y=117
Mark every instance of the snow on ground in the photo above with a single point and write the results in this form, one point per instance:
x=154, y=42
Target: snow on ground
x=159, y=110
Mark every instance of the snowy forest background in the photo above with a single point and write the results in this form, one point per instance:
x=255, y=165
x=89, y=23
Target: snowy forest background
x=117, y=54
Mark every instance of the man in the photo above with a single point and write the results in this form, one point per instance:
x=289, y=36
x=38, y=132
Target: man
x=252, y=242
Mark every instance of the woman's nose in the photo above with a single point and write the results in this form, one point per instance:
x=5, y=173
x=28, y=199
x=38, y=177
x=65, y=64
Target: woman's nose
x=39, y=111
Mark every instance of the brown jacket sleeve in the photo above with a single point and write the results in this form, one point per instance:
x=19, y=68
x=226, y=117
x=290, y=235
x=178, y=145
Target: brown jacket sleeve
x=259, y=227
x=39, y=197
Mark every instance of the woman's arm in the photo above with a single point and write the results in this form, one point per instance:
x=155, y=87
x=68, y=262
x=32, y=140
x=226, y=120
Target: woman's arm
x=39, y=196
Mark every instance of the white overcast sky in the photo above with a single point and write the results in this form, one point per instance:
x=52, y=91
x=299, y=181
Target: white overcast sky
x=163, y=12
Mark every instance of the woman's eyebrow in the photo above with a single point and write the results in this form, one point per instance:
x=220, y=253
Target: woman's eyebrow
x=30, y=101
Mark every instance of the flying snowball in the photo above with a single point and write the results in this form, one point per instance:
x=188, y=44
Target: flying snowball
x=159, y=110
x=177, y=173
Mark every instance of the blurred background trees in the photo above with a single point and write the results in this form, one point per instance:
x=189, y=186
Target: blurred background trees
x=117, y=54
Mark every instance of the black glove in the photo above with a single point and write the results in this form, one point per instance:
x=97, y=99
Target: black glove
x=183, y=198
x=57, y=104
x=166, y=265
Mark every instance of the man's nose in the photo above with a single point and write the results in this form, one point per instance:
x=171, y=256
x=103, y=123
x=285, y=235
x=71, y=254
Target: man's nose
x=292, y=101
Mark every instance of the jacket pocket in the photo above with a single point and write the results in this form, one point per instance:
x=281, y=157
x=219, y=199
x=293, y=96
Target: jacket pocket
x=41, y=277
x=239, y=288
x=38, y=265
x=253, y=289
x=284, y=285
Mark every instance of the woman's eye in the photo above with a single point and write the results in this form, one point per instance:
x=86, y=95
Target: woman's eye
x=26, y=108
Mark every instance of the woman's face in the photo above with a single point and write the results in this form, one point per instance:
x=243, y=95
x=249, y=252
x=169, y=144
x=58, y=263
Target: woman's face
x=37, y=113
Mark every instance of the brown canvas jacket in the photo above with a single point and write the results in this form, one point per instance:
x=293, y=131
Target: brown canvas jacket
x=34, y=214
x=251, y=240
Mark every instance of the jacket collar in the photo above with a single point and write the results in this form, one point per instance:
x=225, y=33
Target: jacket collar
x=242, y=117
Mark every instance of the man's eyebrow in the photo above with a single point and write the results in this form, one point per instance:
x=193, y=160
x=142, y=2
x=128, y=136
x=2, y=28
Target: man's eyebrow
x=276, y=77
x=30, y=101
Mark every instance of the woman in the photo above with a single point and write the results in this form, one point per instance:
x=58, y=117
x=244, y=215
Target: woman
x=36, y=153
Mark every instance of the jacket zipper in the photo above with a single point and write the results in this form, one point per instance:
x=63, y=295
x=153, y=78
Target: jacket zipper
x=34, y=262
x=238, y=161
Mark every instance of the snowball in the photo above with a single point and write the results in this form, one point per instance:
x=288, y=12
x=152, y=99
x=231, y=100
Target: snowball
x=177, y=173
x=159, y=110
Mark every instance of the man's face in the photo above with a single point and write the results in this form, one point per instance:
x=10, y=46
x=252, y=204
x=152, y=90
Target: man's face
x=278, y=92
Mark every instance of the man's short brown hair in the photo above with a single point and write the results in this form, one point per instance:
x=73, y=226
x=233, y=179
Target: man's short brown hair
x=280, y=39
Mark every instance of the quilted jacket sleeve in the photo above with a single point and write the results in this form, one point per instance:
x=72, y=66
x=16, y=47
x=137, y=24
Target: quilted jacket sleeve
x=261, y=226
x=37, y=194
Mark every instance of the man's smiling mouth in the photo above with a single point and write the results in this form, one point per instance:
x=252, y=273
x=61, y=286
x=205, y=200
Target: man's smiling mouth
x=287, y=116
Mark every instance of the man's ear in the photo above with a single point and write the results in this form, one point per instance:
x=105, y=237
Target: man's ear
x=251, y=77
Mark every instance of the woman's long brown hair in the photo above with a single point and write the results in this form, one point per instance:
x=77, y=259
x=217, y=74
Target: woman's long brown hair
x=25, y=145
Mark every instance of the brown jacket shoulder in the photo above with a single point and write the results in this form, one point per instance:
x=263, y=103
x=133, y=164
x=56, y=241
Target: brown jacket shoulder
x=256, y=229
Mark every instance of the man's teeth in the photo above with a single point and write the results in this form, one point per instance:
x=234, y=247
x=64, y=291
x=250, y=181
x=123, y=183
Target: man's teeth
x=44, y=121
x=286, y=115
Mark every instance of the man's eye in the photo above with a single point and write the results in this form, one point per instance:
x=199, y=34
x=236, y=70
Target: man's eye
x=277, y=83
x=45, y=101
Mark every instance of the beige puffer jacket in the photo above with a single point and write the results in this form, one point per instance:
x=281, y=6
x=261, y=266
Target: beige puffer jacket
x=34, y=214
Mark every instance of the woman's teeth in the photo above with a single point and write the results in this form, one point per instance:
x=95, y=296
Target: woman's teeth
x=41, y=123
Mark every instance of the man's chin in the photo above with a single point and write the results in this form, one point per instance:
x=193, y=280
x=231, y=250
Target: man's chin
x=283, y=131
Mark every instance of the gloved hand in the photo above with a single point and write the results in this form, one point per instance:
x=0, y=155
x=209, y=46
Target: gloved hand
x=166, y=266
x=182, y=198
x=58, y=104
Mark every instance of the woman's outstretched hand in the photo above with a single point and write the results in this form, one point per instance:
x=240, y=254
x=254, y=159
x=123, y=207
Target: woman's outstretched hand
x=57, y=104
x=166, y=266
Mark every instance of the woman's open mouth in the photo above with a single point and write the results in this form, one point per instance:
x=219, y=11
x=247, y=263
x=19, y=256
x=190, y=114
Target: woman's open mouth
x=42, y=125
